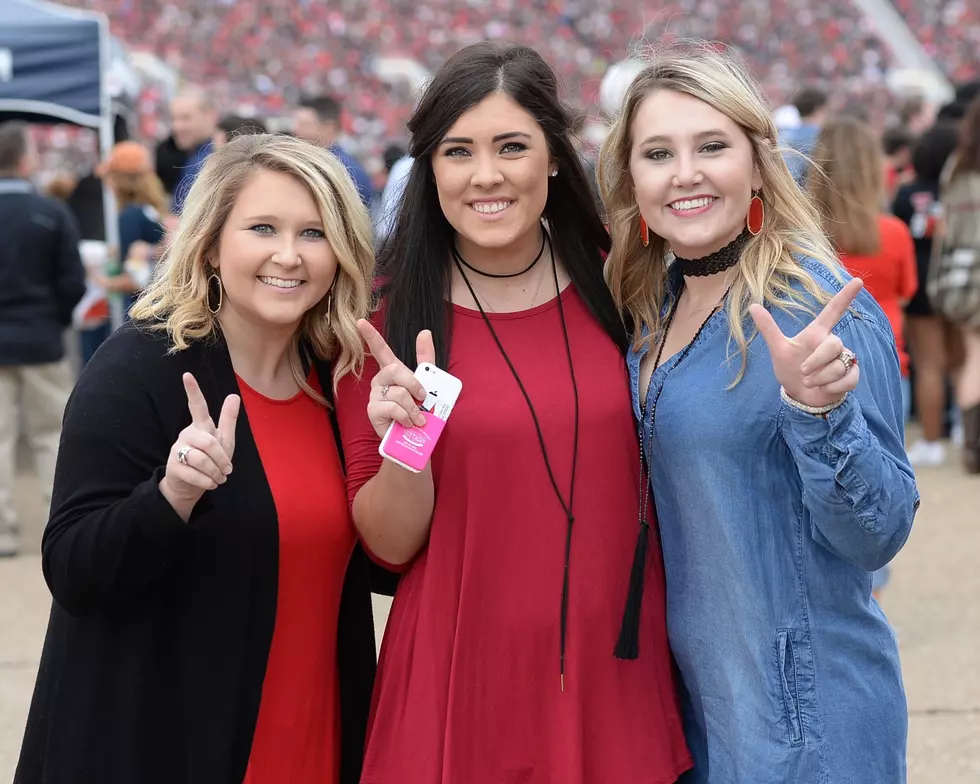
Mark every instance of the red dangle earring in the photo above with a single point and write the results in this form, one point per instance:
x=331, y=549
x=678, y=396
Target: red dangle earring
x=757, y=215
x=644, y=232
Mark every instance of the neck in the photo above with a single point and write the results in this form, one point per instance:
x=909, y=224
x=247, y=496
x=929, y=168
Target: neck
x=259, y=354
x=706, y=290
x=501, y=261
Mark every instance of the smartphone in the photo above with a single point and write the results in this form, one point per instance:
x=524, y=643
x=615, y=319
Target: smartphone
x=411, y=447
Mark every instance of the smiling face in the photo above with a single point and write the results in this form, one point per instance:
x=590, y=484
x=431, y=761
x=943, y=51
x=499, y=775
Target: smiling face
x=491, y=172
x=693, y=172
x=274, y=260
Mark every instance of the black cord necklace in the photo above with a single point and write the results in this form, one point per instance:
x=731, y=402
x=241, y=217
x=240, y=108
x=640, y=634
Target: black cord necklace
x=628, y=647
x=528, y=268
x=719, y=261
x=566, y=506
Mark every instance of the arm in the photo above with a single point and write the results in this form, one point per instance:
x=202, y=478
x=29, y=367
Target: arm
x=111, y=533
x=391, y=507
x=70, y=274
x=909, y=269
x=858, y=485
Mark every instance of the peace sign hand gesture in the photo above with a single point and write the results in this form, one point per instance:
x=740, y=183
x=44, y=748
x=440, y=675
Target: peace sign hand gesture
x=814, y=367
x=395, y=392
x=200, y=458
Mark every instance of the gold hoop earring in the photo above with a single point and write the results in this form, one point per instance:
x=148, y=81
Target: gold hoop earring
x=329, y=305
x=221, y=294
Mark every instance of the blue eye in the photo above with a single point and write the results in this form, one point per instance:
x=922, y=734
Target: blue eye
x=315, y=234
x=714, y=147
x=260, y=228
x=657, y=155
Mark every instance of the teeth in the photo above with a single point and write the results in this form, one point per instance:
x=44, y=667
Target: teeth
x=489, y=208
x=280, y=283
x=692, y=204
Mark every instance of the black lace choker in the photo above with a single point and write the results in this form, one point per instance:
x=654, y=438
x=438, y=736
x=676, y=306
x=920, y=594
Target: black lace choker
x=719, y=261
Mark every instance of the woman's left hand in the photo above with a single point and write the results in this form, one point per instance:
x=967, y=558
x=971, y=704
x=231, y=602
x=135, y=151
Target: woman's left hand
x=811, y=366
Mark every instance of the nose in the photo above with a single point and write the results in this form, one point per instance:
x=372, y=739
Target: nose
x=287, y=256
x=486, y=173
x=687, y=172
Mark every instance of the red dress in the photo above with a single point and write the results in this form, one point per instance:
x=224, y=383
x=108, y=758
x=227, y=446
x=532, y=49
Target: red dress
x=468, y=687
x=297, y=736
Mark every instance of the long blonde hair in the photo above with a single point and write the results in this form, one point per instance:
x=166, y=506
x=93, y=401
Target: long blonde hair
x=142, y=189
x=177, y=298
x=637, y=275
x=848, y=183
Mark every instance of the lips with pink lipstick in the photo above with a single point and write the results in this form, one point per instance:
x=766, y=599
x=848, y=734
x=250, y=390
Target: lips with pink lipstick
x=691, y=206
x=491, y=209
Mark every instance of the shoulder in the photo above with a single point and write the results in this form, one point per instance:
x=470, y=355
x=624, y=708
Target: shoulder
x=892, y=228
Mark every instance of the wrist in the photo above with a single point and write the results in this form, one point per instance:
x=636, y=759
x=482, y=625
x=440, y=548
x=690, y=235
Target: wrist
x=821, y=411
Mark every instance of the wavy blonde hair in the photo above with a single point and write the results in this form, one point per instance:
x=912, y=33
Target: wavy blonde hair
x=142, y=189
x=637, y=275
x=848, y=184
x=177, y=298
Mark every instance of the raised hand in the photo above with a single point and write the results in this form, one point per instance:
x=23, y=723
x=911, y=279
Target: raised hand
x=809, y=365
x=395, y=392
x=200, y=458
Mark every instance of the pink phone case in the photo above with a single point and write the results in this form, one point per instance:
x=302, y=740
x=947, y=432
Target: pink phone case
x=413, y=445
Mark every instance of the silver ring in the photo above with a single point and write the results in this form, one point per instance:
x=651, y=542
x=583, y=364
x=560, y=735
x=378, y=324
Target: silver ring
x=182, y=454
x=384, y=392
x=849, y=358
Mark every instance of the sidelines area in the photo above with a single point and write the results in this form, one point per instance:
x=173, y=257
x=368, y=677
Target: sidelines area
x=930, y=601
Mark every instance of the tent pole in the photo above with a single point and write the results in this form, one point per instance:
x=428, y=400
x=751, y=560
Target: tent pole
x=106, y=141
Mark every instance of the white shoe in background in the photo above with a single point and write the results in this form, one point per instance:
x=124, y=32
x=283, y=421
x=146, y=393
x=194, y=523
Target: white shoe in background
x=956, y=436
x=927, y=454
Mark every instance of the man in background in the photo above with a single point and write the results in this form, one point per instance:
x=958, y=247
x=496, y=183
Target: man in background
x=43, y=279
x=317, y=120
x=193, y=124
x=811, y=103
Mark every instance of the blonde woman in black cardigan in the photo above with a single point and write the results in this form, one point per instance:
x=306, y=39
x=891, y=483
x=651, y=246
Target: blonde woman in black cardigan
x=212, y=618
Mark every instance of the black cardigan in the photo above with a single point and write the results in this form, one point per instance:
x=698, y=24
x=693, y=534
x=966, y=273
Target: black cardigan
x=160, y=630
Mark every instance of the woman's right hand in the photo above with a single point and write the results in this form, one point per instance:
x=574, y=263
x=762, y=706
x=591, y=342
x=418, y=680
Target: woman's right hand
x=395, y=392
x=200, y=458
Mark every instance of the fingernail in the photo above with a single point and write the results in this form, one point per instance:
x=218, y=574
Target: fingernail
x=224, y=479
x=227, y=470
x=420, y=420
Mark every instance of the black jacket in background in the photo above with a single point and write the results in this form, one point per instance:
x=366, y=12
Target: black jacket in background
x=41, y=274
x=160, y=630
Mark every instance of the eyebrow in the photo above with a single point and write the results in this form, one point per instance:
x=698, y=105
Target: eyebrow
x=697, y=136
x=498, y=138
x=275, y=218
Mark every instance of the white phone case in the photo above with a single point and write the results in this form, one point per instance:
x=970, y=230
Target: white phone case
x=411, y=448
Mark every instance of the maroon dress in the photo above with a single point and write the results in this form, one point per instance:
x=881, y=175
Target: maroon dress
x=468, y=688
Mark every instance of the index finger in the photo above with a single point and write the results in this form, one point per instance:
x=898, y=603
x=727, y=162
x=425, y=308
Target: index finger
x=837, y=307
x=196, y=403
x=376, y=344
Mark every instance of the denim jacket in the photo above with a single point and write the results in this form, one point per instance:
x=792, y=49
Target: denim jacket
x=772, y=521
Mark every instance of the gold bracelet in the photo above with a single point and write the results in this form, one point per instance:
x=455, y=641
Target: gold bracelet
x=815, y=410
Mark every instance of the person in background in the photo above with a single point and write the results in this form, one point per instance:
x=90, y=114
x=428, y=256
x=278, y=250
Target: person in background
x=318, y=120
x=169, y=162
x=811, y=103
x=193, y=123
x=916, y=115
x=231, y=126
x=897, y=144
x=848, y=186
x=43, y=279
x=391, y=199
x=142, y=206
x=960, y=235
x=935, y=345
x=211, y=617
x=767, y=389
